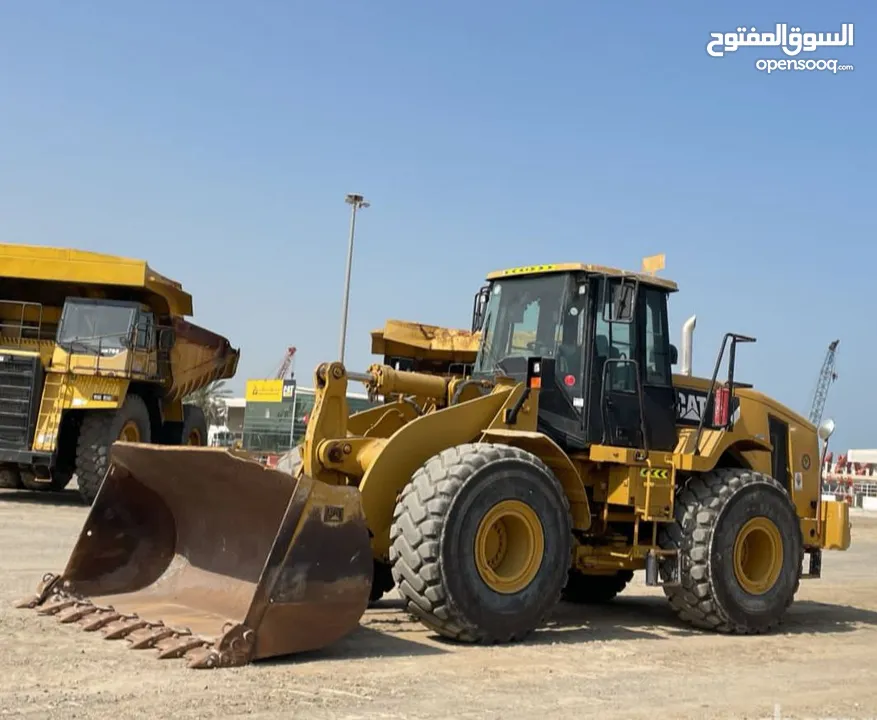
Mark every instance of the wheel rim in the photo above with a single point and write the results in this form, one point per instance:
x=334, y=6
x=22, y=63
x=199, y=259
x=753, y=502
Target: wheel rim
x=509, y=545
x=758, y=555
x=130, y=432
x=194, y=437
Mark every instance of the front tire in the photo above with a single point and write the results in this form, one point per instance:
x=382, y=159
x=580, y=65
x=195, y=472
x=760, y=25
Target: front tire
x=100, y=429
x=740, y=540
x=481, y=543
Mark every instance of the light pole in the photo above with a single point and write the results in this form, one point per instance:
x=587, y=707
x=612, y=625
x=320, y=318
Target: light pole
x=357, y=202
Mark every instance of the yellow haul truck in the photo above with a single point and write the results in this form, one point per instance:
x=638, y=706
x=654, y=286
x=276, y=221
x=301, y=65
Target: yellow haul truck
x=94, y=348
x=570, y=457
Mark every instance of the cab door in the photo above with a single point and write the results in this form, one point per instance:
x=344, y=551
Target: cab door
x=616, y=415
x=143, y=357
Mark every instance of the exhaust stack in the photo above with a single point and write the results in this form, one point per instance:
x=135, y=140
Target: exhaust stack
x=687, y=341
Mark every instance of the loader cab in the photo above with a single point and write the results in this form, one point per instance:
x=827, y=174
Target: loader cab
x=607, y=358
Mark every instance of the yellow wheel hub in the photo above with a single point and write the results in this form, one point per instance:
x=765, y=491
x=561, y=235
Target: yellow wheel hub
x=758, y=555
x=130, y=432
x=509, y=546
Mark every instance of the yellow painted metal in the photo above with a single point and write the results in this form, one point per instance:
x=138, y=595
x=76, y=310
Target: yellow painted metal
x=644, y=278
x=835, y=525
x=557, y=461
x=130, y=432
x=430, y=342
x=758, y=555
x=653, y=263
x=83, y=268
x=509, y=546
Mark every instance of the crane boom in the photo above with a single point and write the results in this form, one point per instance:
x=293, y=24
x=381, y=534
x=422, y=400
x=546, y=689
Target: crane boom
x=826, y=376
x=286, y=364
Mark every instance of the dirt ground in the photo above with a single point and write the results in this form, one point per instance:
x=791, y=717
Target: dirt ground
x=628, y=660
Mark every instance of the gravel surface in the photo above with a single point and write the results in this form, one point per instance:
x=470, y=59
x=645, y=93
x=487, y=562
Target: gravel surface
x=627, y=660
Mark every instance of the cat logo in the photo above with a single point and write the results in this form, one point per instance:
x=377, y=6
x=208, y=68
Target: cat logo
x=333, y=514
x=659, y=473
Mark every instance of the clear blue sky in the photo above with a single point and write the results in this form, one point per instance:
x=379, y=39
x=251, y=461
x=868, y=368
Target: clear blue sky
x=217, y=140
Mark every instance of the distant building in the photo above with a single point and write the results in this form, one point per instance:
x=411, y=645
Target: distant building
x=272, y=416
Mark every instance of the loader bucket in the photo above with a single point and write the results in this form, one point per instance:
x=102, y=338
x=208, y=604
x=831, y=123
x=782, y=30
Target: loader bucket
x=215, y=558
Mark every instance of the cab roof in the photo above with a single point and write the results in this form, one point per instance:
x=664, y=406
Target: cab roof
x=644, y=278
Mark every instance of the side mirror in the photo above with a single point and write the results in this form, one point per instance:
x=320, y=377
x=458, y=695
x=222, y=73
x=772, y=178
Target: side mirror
x=674, y=355
x=166, y=339
x=478, y=308
x=826, y=430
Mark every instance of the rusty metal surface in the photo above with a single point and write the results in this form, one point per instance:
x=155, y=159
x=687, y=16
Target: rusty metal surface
x=204, y=555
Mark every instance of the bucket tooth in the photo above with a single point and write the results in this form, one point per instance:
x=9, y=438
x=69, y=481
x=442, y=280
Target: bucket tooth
x=56, y=605
x=177, y=647
x=146, y=638
x=46, y=586
x=101, y=619
x=234, y=648
x=76, y=613
x=123, y=628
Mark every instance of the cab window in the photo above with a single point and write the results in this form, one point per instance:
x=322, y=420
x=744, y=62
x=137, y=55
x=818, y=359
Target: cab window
x=657, y=360
x=615, y=341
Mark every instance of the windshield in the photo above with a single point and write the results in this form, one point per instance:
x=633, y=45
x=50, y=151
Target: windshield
x=87, y=327
x=523, y=318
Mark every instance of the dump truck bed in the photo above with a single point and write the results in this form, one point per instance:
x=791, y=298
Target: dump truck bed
x=59, y=272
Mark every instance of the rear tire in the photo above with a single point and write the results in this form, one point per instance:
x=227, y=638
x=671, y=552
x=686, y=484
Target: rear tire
x=58, y=481
x=194, y=426
x=10, y=478
x=100, y=429
x=741, y=545
x=583, y=589
x=481, y=543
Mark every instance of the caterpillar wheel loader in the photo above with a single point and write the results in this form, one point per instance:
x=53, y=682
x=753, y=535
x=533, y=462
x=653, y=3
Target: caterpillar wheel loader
x=570, y=457
x=94, y=348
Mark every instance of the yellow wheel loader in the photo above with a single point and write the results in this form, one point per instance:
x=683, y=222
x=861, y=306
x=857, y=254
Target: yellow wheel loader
x=569, y=458
x=94, y=348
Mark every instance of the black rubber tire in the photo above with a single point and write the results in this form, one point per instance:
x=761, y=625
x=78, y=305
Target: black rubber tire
x=193, y=419
x=59, y=480
x=98, y=432
x=595, y=589
x=382, y=581
x=710, y=510
x=10, y=478
x=432, y=536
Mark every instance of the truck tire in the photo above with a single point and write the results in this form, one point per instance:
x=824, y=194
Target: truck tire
x=194, y=426
x=100, y=429
x=741, y=545
x=58, y=481
x=10, y=478
x=481, y=543
x=585, y=589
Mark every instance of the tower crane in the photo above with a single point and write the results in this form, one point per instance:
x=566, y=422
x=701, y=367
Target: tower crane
x=826, y=376
x=287, y=366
